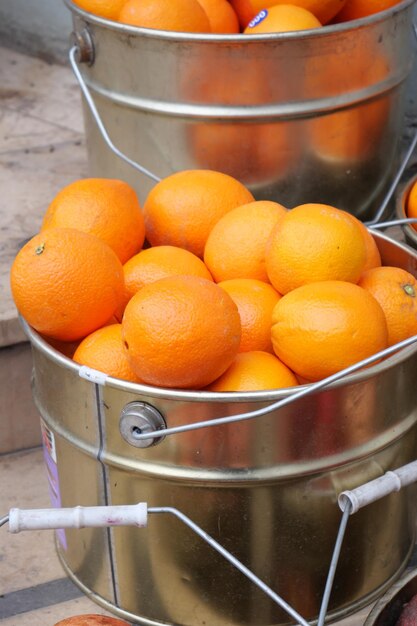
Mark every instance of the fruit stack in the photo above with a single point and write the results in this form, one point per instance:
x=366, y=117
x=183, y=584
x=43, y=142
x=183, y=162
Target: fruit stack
x=233, y=16
x=207, y=288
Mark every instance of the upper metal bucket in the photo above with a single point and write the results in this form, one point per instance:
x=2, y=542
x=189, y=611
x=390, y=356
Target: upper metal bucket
x=265, y=488
x=309, y=116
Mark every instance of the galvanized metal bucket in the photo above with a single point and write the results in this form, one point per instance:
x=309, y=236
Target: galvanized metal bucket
x=265, y=488
x=388, y=609
x=312, y=116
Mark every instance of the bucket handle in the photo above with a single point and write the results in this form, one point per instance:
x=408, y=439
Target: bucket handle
x=137, y=515
x=155, y=432
x=84, y=55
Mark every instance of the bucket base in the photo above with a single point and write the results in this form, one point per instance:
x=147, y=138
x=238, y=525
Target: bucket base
x=332, y=616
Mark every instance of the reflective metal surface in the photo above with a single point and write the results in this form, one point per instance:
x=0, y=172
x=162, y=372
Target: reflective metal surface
x=297, y=117
x=387, y=610
x=266, y=489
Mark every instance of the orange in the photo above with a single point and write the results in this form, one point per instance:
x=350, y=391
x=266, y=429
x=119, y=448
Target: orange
x=182, y=209
x=280, y=19
x=372, y=254
x=67, y=348
x=314, y=242
x=351, y=134
x=108, y=9
x=253, y=152
x=323, y=327
x=91, y=619
x=255, y=301
x=324, y=10
x=159, y=262
x=412, y=205
x=235, y=248
x=103, y=207
x=396, y=291
x=181, y=331
x=254, y=371
x=221, y=15
x=178, y=15
x=104, y=350
x=356, y=9
x=66, y=283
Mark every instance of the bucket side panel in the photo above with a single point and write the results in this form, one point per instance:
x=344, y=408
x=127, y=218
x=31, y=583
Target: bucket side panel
x=283, y=531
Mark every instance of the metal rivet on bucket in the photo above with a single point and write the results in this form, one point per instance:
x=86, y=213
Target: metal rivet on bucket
x=84, y=44
x=138, y=418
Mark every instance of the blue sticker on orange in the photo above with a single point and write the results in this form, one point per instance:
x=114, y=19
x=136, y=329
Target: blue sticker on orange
x=258, y=18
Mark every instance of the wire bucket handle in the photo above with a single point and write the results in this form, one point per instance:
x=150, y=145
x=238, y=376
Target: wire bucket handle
x=137, y=515
x=82, y=51
x=143, y=426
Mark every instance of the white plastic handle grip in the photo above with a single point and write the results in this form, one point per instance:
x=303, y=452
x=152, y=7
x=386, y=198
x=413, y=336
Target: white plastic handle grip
x=374, y=490
x=78, y=517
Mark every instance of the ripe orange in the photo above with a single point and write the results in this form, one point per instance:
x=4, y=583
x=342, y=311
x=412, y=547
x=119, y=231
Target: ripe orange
x=254, y=371
x=181, y=331
x=372, y=254
x=235, y=247
x=103, y=207
x=159, y=262
x=221, y=15
x=178, y=15
x=182, y=209
x=255, y=301
x=254, y=153
x=356, y=9
x=411, y=205
x=280, y=19
x=350, y=135
x=396, y=291
x=323, y=327
x=324, y=10
x=104, y=350
x=67, y=348
x=66, y=283
x=108, y=9
x=314, y=242
x=251, y=152
x=353, y=134
x=91, y=620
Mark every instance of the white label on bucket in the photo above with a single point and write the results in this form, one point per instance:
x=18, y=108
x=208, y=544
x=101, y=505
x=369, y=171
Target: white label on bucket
x=50, y=458
x=258, y=18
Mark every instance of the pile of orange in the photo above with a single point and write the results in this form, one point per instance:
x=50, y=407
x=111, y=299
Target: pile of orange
x=204, y=287
x=233, y=16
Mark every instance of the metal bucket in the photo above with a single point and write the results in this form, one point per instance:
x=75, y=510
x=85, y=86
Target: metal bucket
x=266, y=488
x=312, y=116
x=388, y=609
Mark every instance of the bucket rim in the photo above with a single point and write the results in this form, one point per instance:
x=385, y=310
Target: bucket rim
x=43, y=346
x=312, y=33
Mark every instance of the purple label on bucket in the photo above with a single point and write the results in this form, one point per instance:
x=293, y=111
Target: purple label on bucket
x=258, y=18
x=49, y=455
